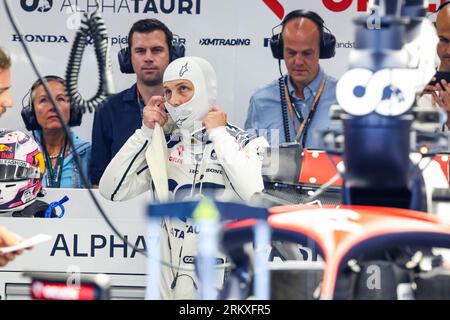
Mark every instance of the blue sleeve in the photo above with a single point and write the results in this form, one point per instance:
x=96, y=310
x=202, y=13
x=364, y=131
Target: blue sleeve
x=101, y=144
x=252, y=116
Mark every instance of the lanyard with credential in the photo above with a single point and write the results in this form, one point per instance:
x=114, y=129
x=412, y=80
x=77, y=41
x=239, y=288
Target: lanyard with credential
x=54, y=175
x=311, y=110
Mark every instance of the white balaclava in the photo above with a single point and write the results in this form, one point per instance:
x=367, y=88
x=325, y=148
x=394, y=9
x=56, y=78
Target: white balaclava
x=200, y=72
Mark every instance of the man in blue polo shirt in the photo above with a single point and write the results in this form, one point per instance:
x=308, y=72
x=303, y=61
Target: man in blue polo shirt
x=296, y=107
x=150, y=44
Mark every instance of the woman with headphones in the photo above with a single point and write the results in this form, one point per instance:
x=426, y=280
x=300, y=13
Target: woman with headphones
x=41, y=118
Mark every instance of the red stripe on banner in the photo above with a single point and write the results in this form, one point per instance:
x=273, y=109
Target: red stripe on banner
x=276, y=7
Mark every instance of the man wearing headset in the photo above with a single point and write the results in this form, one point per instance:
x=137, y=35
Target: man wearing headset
x=149, y=52
x=295, y=107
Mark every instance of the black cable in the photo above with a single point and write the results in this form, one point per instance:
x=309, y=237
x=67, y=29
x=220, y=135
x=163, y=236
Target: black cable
x=287, y=133
x=92, y=26
x=279, y=68
x=67, y=131
x=281, y=83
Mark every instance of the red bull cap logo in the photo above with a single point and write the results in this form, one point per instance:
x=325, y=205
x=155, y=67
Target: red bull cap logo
x=7, y=150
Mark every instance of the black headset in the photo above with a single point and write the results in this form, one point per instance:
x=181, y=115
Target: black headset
x=327, y=39
x=177, y=49
x=29, y=115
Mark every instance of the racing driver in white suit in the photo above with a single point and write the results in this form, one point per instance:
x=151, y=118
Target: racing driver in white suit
x=203, y=155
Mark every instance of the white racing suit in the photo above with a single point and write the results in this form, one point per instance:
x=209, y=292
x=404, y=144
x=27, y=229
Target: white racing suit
x=229, y=164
